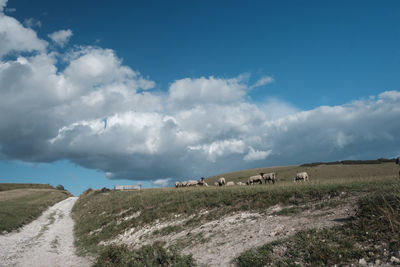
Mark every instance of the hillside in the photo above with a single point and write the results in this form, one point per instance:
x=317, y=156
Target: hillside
x=321, y=173
x=23, y=203
x=216, y=225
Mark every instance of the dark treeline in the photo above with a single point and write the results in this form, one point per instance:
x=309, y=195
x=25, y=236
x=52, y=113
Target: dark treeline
x=349, y=162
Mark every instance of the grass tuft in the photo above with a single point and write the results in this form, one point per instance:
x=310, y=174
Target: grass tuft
x=146, y=256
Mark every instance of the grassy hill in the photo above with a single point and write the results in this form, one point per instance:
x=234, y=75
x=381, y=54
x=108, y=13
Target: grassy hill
x=103, y=217
x=12, y=186
x=23, y=203
x=321, y=173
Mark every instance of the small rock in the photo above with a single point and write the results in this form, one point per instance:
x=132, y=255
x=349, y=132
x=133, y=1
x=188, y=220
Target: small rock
x=272, y=234
x=4, y=232
x=377, y=262
x=393, y=259
x=362, y=262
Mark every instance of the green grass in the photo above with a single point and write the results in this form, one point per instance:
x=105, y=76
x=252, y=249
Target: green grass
x=105, y=211
x=99, y=215
x=147, y=256
x=12, y=186
x=320, y=173
x=21, y=206
x=373, y=235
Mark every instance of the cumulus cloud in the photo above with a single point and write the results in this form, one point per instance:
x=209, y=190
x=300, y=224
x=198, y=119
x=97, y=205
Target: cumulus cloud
x=14, y=37
x=61, y=37
x=101, y=114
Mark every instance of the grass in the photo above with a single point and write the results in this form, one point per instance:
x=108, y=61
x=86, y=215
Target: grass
x=374, y=236
x=155, y=255
x=12, y=186
x=21, y=206
x=99, y=216
x=321, y=173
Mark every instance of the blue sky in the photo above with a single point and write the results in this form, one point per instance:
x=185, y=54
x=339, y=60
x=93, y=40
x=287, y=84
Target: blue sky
x=211, y=86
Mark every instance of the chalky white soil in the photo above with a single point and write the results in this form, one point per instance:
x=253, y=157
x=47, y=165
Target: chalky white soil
x=218, y=242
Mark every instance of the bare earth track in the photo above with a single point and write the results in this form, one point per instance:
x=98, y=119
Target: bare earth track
x=47, y=241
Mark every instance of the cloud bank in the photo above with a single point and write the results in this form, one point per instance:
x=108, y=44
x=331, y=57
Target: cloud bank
x=101, y=114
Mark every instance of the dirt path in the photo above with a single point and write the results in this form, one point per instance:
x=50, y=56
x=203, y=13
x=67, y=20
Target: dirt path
x=47, y=241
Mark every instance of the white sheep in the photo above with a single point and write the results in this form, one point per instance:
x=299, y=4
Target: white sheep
x=301, y=176
x=221, y=181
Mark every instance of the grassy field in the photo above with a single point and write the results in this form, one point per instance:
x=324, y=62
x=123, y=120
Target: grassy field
x=22, y=203
x=320, y=173
x=373, y=237
x=12, y=186
x=100, y=215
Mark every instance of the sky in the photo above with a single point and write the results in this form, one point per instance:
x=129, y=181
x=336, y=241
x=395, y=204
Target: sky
x=97, y=93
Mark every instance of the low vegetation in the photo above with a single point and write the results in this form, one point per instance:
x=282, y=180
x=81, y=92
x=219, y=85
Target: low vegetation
x=102, y=215
x=154, y=255
x=12, y=186
x=372, y=237
x=21, y=204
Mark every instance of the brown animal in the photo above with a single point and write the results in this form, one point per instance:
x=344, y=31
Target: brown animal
x=177, y=184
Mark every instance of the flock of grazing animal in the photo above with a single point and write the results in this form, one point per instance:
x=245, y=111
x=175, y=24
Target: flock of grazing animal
x=255, y=179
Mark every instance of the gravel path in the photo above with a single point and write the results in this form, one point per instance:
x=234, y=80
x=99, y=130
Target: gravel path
x=47, y=241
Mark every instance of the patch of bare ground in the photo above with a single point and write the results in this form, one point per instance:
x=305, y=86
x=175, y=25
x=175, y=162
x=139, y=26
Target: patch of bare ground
x=218, y=241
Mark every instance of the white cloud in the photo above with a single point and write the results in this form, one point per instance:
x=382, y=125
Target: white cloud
x=100, y=114
x=16, y=38
x=190, y=92
x=162, y=182
x=3, y=4
x=256, y=154
x=263, y=81
x=220, y=148
x=10, y=10
x=32, y=23
x=61, y=37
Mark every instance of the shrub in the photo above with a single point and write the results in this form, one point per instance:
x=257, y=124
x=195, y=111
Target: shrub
x=60, y=187
x=149, y=255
